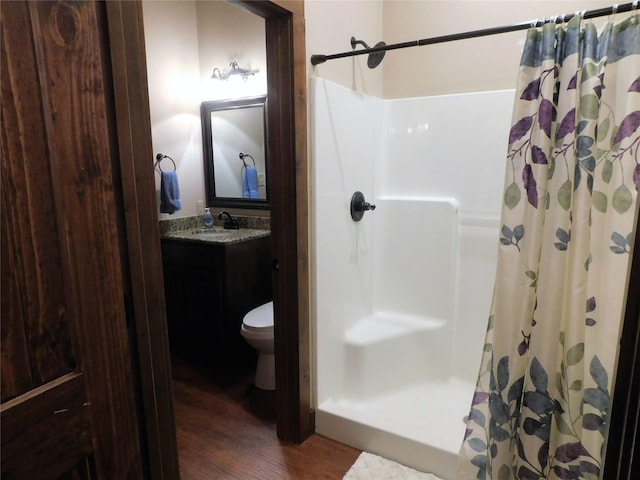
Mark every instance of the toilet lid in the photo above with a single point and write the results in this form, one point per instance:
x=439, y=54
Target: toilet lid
x=260, y=317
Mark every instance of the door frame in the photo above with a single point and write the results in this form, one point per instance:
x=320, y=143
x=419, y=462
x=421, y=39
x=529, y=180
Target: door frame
x=289, y=197
x=287, y=126
x=142, y=231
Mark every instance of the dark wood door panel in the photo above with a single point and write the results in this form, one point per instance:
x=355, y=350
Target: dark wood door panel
x=69, y=403
x=59, y=435
x=36, y=347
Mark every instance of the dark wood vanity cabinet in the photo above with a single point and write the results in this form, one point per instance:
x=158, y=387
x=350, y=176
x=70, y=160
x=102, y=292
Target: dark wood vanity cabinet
x=209, y=287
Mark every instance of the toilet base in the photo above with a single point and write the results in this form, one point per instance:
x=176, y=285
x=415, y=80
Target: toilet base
x=266, y=372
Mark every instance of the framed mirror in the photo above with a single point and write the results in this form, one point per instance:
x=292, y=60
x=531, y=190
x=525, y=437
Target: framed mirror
x=234, y=137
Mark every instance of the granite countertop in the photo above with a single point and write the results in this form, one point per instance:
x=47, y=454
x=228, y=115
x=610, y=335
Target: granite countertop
x=191, y=229
x=216, y=235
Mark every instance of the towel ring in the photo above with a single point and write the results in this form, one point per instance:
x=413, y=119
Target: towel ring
x=243, y=156
x=160, y=157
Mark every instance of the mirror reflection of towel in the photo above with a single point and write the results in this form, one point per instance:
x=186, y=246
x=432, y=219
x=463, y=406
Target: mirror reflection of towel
x=169, y=193
x=251, y=183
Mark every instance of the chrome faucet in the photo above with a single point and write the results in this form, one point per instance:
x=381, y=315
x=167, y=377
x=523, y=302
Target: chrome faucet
x=230, y=223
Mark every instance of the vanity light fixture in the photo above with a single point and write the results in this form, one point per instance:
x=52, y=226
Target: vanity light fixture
x=235, y=70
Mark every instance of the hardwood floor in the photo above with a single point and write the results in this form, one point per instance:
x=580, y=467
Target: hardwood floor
x=226, y=430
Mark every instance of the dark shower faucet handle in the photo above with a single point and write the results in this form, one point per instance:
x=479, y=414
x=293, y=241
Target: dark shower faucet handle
x=359, y=206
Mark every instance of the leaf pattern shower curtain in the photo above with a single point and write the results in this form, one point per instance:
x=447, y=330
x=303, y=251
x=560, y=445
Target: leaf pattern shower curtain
x=543, y=393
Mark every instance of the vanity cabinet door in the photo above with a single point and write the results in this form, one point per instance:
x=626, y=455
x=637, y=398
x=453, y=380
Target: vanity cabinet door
x=194, y=291
x=194, y=300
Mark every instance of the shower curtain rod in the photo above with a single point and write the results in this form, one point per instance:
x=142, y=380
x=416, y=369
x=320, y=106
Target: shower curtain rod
x=600, y=12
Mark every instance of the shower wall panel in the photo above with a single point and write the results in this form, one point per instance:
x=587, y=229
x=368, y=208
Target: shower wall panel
x=402, y=297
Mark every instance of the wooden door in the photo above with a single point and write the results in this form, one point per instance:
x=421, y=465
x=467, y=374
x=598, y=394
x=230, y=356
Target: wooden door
x=68, y=399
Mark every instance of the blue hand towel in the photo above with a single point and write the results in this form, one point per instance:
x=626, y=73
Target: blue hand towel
x=169, y=193
x=251, y=183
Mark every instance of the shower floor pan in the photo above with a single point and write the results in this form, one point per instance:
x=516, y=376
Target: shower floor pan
x=397, y=399
x=420, y=426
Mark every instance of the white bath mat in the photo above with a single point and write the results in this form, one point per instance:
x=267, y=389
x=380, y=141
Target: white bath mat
x=373, y=467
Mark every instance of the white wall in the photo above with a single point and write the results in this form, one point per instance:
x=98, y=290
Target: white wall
x=227, y=33
x=476, y=65
x=174, y=78
x=184, y=41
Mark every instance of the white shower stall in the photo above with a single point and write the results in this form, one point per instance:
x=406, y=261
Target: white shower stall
x=401, y=298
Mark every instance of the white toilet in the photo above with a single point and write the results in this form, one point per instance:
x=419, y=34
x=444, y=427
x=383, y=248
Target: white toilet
x=257, y=330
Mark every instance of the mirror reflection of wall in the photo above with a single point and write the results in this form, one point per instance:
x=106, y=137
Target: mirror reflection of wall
x=235, y=130
x=228, y=141
x=185, y=41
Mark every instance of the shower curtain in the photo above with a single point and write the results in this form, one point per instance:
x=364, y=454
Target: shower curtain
x=541, y=405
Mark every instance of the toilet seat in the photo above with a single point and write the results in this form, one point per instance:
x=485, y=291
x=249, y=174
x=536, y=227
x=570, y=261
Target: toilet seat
x=259, y=319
